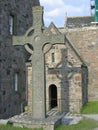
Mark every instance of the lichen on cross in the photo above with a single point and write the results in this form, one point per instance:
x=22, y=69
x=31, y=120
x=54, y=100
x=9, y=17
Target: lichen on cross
x=37, y=37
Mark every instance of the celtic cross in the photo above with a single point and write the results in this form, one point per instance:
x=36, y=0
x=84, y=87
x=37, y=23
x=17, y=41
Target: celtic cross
x=64, y=69
x=34, y=40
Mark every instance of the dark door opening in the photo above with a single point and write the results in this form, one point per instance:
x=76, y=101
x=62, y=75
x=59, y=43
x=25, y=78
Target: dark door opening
x=53, y=96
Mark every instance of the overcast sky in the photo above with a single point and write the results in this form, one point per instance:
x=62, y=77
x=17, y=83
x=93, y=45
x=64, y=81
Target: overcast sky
x=56, y=10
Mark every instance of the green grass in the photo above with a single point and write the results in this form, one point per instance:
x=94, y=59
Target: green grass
x=10, y=127
x=85, y=124
x=90, y=108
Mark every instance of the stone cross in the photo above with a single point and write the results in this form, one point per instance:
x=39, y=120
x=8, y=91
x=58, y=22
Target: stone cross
x=64, y=69
x=35, y=40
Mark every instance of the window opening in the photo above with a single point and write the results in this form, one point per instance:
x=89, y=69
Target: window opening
x=53, y=96
x=11, y=24
x=53, y=57
x=16, y=82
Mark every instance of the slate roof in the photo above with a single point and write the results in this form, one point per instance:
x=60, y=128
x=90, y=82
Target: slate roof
x=84, y=21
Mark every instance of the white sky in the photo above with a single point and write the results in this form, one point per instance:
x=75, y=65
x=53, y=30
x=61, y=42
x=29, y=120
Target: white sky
x=56, y=10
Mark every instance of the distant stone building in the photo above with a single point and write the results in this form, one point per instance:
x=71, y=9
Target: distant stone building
x=81, y=52
x=79, y=22
x=71, y=69
x=15, y=19
x=66, y=77
x=85, y=41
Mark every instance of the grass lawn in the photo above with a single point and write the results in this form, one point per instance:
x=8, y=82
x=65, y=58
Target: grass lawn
x=90, y=108
x=10, y=127
x=85, y=124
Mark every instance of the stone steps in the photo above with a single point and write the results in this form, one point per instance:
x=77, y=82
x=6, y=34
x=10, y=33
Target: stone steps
x=53, y=112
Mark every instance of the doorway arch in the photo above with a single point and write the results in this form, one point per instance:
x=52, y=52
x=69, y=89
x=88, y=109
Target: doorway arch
x=53, y=95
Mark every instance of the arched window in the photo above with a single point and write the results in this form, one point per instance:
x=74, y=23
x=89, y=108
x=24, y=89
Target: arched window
x=53, y=95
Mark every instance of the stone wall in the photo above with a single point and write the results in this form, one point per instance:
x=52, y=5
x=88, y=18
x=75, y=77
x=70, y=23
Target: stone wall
x=12, y=59
x=85, y=40
x=71, y=89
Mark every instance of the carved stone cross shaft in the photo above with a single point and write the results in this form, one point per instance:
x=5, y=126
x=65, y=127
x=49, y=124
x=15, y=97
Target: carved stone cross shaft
x=36, y=39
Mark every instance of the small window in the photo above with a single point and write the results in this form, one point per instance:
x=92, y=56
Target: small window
x=16, y=82
x=52, y=57
x=11, y=24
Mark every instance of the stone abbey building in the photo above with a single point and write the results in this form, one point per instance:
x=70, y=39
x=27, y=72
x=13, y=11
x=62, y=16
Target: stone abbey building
x=15, y=19
x=71, y=69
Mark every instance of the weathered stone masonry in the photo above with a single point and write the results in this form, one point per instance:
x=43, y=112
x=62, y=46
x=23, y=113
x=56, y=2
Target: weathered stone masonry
x=13, y=69
x=12, y=59
x=85, y=40
x=83, y=34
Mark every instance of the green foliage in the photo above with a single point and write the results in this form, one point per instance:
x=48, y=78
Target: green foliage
x=85, y=124
x=10, y=127
x=90, y=108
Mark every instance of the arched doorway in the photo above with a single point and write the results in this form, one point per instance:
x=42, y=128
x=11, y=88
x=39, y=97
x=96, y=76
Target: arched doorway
x=53, y=95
